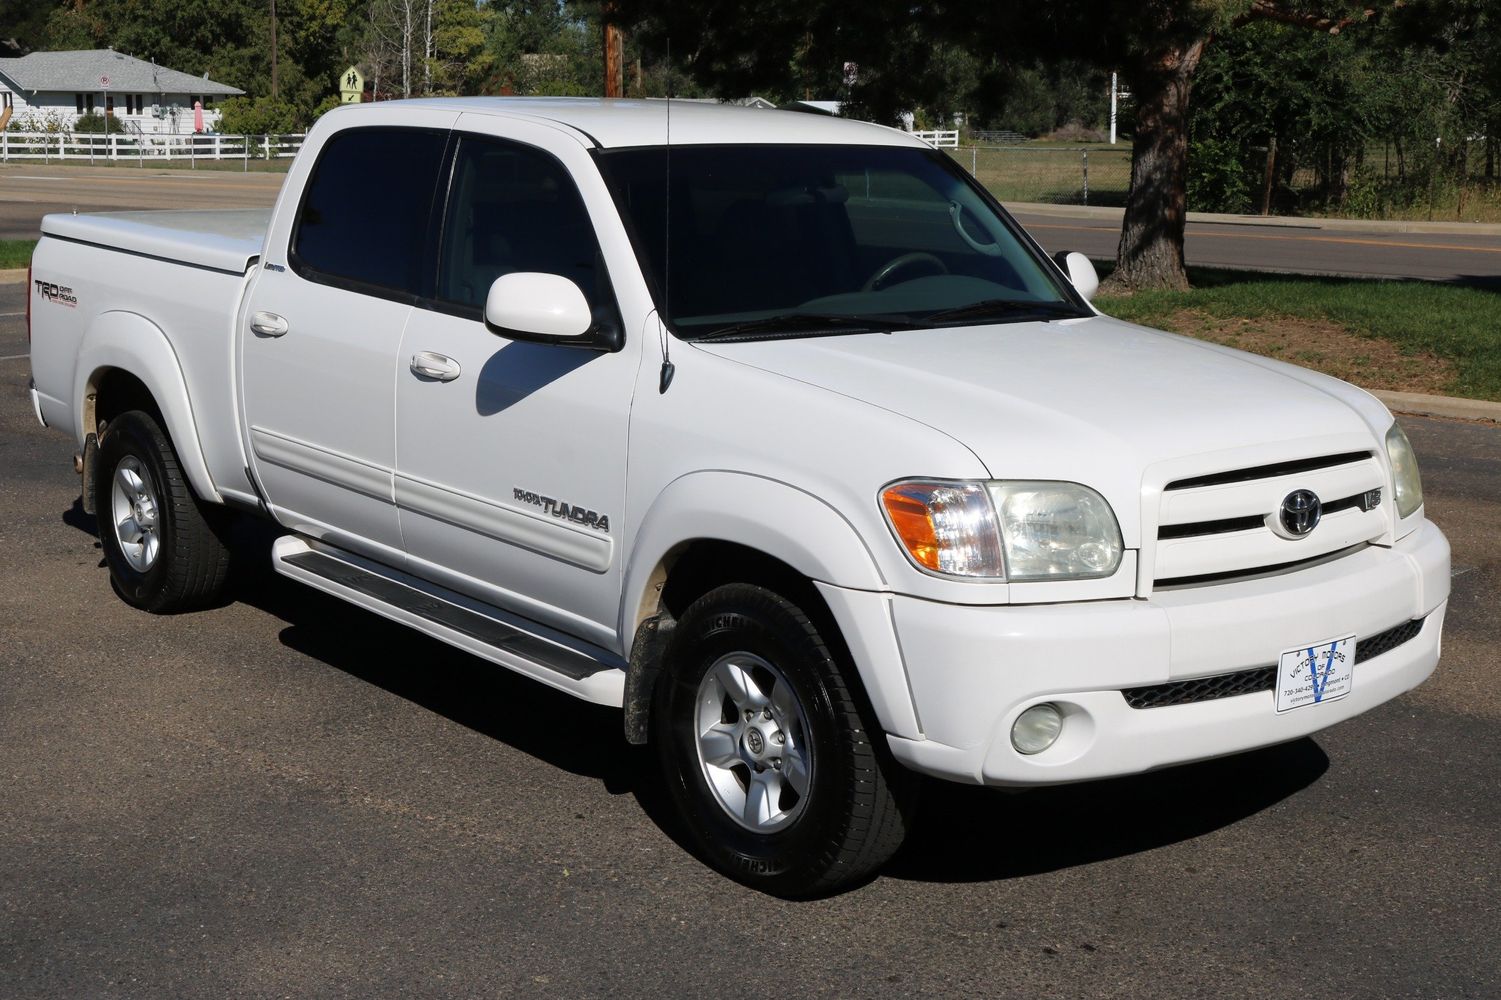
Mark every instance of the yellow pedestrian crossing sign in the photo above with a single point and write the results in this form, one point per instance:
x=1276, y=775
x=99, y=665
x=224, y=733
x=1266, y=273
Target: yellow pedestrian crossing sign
x=351, y=86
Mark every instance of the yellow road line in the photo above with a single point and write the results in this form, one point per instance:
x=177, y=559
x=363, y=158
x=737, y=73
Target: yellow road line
x=1298, y=239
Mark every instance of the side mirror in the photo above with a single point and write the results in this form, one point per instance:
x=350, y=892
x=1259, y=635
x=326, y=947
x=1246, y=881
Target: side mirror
x=542, y=308
x=1080, y=271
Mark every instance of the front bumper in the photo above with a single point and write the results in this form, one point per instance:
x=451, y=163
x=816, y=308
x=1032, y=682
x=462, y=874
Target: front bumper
x=973, y=670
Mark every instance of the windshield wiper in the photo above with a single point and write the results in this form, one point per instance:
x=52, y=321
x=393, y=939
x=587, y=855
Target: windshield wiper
x=1006, y=309
x=808, y=324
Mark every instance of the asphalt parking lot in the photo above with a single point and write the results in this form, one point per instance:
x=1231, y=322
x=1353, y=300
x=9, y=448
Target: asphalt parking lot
x=285, y=796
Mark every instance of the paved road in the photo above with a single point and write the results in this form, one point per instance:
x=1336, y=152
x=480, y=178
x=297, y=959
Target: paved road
x=1301, y=246
x=285, y=796
x=29, y=191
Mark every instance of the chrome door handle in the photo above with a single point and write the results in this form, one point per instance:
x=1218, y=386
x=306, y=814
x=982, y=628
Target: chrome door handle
x=268, y=324
x=426, y=364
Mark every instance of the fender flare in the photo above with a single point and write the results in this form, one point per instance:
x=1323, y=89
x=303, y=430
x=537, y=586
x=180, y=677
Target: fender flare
x=134, y=344
x=792, y=526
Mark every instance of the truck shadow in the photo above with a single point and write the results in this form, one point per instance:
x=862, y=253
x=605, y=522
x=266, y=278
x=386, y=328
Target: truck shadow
x=556, y=729
x=960, y=834
x=968, y=834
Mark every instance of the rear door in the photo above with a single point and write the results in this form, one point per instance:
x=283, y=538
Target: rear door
x=342, y=267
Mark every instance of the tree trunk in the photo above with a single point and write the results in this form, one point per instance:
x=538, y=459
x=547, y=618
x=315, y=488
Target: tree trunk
x=1151, y=246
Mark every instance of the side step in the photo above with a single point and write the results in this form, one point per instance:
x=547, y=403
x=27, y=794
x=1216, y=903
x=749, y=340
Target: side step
x=556, y=660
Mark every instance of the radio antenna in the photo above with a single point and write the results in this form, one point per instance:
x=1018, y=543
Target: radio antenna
x=665, y=378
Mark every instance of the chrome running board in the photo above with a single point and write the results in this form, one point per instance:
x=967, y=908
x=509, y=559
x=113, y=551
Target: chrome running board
x=559, y=661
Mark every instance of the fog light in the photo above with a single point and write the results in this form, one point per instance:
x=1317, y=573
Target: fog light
x=1036, y=729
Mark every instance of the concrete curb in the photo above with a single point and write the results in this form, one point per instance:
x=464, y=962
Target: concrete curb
x=1274, y=221
x=13, y=277
x=1419, y=405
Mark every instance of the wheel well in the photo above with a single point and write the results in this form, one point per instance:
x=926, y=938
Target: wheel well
x=700, y=566
x=687, y=573
x=113, y=391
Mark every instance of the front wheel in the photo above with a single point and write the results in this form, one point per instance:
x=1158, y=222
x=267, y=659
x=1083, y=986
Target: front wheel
x=166, y=551
x=768, y=755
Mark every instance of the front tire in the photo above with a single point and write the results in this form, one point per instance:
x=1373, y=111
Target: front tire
x=166, y=551
x=768, y=754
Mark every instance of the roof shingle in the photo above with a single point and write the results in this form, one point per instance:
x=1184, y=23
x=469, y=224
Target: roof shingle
x=81, y=70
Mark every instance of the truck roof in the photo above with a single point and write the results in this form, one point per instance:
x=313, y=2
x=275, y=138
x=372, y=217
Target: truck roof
x=614, y=123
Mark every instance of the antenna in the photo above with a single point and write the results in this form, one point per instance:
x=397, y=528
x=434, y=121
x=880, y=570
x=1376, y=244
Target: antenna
x=668, y=370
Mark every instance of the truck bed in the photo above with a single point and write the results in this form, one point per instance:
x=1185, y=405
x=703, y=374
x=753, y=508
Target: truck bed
x=222, y=240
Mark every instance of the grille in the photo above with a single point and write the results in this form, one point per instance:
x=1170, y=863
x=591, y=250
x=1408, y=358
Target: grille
x=1257, y=678
x=1385, y=642
x=1218, y=527
x=1202, y=688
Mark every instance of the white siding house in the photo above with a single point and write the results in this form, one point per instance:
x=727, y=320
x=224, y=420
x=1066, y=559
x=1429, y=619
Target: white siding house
x=145, y=97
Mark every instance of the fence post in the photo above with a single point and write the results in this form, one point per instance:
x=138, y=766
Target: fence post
x=1086, y=176
x=216, y=148
x=974, y=161
x=266, y=142
x=4, y=148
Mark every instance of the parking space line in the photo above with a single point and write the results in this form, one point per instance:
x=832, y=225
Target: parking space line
x=14, y=357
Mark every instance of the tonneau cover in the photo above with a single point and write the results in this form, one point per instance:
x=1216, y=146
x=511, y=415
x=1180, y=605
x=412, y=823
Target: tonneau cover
x=224, y=240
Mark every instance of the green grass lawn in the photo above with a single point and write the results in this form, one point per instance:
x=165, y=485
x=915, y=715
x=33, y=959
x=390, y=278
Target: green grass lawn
x=15, y=253
x=1415, y=335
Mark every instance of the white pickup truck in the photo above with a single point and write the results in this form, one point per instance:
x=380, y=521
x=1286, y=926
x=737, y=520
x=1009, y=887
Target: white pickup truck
x=774, y=430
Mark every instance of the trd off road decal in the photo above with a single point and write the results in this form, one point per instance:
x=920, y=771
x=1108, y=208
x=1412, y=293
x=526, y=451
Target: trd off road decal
x=60, y=295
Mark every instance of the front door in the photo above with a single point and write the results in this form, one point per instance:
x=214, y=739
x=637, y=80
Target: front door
x=324, y=322
x=511, y=456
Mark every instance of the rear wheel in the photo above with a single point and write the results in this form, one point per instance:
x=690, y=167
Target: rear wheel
x=768, y=754
x=166, y=551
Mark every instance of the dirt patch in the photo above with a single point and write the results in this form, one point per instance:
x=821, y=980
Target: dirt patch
x=1323, y=346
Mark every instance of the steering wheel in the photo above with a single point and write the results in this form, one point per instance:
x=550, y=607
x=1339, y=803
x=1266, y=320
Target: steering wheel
x=895, y=264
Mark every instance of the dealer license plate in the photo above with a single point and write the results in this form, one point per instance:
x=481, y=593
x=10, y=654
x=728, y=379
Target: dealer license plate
x=1310, y=675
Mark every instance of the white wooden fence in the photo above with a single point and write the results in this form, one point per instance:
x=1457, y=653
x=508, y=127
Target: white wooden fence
x=143, y=149
x=940, y=139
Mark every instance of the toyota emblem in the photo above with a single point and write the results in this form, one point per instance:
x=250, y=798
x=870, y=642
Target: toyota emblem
x=1298, y=515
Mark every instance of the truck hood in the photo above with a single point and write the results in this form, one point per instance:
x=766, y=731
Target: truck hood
x=1094, y=401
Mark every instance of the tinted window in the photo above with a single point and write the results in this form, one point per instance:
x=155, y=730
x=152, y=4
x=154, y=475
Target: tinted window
x=514, y=208
x=761, y=231
x=366, y=211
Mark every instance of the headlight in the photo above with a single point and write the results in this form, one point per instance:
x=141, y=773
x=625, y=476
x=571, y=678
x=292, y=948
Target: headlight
x=1007, y=530
x=1407, y=486
x=1056, y=531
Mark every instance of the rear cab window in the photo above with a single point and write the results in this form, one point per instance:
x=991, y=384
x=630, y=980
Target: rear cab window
x=367, y=209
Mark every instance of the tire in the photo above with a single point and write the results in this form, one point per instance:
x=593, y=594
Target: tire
x=795, y=799
x=166, y=551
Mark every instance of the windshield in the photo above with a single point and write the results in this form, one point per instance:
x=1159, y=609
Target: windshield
x=798, y=239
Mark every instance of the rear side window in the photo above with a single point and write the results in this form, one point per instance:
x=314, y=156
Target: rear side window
x=365, y=214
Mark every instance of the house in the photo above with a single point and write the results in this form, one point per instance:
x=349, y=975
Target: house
x=145, y=97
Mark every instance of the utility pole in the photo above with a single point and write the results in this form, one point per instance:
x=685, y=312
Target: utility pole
x=614, y=52
x=274, y=91
x=1112, y=109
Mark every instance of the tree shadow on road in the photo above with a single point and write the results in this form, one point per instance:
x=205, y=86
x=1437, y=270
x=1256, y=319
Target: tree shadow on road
x=969, y=834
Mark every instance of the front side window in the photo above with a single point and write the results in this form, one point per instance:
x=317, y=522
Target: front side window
x=366, y=211
x=753, y=238
x=513, y=208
